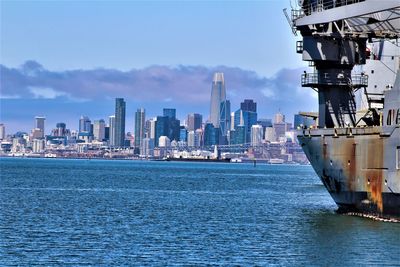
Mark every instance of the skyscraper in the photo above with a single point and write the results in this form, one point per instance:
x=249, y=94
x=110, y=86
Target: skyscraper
x=245, y=119
x=218, y=95
x=111, y=126
x=256, y=135
x=119, y=137
x=2, y=131
x=140, y=116
x=248, y=105
x=194, y=121
x=39, y=124
x=169, y=112
x=99, y=132
x=84, y=125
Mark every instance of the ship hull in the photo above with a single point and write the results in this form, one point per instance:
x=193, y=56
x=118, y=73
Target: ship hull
x=359, y=167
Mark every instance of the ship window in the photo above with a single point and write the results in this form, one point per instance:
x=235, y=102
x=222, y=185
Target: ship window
x=389, y=117
x=372, y=71
x=398, y=117
x=398, y=158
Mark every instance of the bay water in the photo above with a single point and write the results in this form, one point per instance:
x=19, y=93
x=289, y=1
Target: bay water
x=109, y=212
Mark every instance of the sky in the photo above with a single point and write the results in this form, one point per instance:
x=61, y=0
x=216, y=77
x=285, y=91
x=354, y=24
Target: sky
x=64, y=59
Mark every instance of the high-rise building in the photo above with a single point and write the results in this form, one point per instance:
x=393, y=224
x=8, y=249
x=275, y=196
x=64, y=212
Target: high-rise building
x=194, y=138
x=248, y=105
x=111, y=126
x=194, y=121
x=140, y=116
x=161, y=128
x=218, y=95
x=256, y=135
x=281, y=129
x=38, y=145
x=119, y=136
x=224, y=120
x=147, y=147
x=238, y=136
x=211, y=134
x=61, y=129
x=84, y=125
x=39, y=124
x=279, y=118
x=2, y=131
x=246, y=119
x=183, y=134
x=169, y=112
x=99, y=132
x=270, y=135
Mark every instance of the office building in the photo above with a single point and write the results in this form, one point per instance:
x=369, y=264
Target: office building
x=248, y=105
x=256, y=135
x=279, y=118
x=246, y=119
x=169, y=112
x=2, y=131
x=99, y=132
x=194, y=121
x=84, y=125
x=39, y=124
x=218, y=95
x=140, y=116
x=38, y=145
x=147, y=147
x=270, y=135
x=211, y=135
x=164, y=141
x=111, y=126
x=119, y=135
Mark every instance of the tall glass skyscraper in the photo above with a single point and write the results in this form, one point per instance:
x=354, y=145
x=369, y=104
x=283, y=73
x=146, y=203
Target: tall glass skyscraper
x=84, y=124
x=119, y=137
x=139, y=127
x=218, y=95
x=220, y=107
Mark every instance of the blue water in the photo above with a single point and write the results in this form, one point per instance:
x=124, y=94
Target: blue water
x=80, y=212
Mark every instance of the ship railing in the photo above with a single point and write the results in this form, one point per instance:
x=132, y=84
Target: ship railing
x=317, y=80
x=321, y=5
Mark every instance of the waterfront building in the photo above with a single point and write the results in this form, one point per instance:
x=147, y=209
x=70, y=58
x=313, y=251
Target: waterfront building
x=256, y=135
x=264, y=123
x=164, y=141
x=99, y=130
x=39, y=124
x=84, y=124
x=38, y=145
x=140, y=116
x=147, y=147
x=111, y=126
x=194, y=121
x=248, y=105
x=2, y=131
x=119, y=133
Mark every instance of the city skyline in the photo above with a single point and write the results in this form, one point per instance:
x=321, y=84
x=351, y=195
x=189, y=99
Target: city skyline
x=44, y=72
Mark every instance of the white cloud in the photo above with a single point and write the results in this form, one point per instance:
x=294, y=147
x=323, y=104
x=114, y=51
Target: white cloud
x=9, y=96
x=267, y=92
x=47, y=93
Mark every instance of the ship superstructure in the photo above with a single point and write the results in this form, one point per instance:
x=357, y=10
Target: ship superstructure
x=353, y=47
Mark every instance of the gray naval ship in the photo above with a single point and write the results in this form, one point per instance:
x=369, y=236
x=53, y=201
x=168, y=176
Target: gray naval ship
x=353, y=47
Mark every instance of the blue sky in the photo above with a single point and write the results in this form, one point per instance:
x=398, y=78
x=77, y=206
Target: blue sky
x=128, y=48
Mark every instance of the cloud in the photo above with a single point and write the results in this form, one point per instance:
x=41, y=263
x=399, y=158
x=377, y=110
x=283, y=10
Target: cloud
x=47, y=93
x=188, y=88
